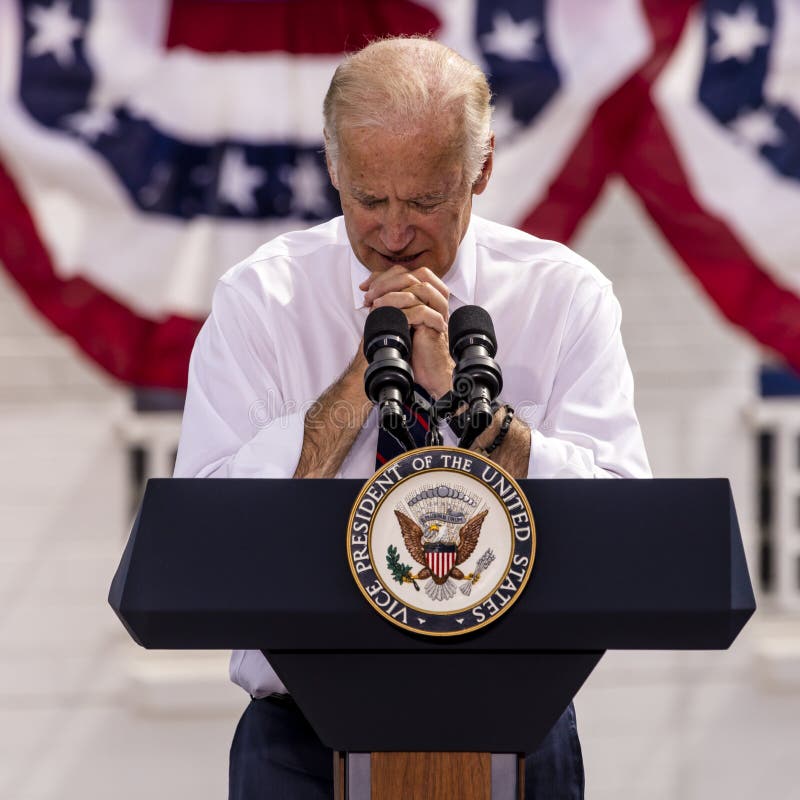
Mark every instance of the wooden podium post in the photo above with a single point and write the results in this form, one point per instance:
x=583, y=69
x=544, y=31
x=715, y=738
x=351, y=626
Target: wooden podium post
x=428, y=776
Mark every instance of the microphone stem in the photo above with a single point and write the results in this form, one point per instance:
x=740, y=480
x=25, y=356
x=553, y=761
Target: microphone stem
x=392, y=419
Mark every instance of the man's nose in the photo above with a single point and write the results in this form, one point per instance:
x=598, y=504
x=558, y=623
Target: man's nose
x=396, y=232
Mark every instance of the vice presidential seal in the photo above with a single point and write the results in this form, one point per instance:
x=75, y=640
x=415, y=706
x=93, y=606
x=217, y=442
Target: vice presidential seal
x=441, y=541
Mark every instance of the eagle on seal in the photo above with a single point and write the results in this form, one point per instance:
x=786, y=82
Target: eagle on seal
x=466, y=541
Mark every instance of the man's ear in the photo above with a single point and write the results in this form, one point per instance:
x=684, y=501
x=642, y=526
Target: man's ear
x=486, y=170
x=328, y=163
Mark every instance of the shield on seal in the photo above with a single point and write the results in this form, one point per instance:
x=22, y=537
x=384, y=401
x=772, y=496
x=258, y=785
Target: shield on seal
x=440, y=558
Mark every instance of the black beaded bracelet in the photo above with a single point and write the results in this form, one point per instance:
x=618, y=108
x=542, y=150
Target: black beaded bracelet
x=498, y=440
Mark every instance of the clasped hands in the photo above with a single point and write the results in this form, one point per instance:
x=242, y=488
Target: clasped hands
x=423, y=298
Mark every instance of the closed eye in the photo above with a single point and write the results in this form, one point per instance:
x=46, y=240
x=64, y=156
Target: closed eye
x=425, y=205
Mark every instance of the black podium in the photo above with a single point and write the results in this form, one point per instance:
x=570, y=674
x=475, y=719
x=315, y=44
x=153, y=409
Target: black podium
x=647, y=564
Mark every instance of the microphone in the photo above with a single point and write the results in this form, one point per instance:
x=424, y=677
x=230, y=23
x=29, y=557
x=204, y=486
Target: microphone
x=477, y=379
x=389, y=380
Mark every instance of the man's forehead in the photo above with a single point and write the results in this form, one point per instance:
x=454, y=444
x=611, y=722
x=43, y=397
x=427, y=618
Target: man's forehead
x=418, y=167
x=426, y=141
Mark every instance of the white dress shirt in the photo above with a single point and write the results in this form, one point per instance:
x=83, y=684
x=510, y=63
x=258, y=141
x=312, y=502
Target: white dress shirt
x=287, y=321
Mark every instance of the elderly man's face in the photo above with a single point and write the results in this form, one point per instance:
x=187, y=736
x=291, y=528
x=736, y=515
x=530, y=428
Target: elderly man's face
x=405, y=197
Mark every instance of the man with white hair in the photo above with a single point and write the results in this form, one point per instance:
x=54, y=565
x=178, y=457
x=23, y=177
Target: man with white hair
x=276, y=383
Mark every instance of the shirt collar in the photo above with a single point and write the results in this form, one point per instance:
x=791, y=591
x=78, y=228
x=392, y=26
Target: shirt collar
x=460, y=278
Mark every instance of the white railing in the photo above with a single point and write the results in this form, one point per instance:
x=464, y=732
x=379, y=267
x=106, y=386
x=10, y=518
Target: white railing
x=781, y=418
x=157, y=433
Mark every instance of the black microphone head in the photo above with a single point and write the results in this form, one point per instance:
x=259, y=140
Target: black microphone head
x=386, y=321
x=468, y=321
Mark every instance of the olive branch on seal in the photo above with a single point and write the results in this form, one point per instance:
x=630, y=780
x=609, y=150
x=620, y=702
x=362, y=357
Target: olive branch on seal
x=400, y=572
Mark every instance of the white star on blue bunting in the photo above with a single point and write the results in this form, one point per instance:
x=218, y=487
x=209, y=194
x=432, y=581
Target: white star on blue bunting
x=308, y=184
x=238, y=181
x=92, y=123
x=54, y=31
x=758, y=128
x=738, y=35
x=512, y=40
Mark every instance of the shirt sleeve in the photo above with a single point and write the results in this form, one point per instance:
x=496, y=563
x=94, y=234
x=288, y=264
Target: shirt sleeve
x=236, y=423
x=589, y=428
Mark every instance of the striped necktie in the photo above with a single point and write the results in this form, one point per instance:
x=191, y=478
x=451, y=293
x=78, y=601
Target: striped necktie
x=418, y=420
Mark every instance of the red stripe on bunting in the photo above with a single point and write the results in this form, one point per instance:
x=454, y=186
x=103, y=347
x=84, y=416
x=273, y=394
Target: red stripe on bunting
x=305, y=27
x=627, y=136
x=136, y=350
x=741, y=289
x=604, y=142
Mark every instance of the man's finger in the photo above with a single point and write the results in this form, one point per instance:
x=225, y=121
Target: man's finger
x=393, y=270
x=398, y=278
x=431, y=297
x=389, y=282
x=397, y=300
x=424, y=275
x=414, y=295
x=422, y=315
